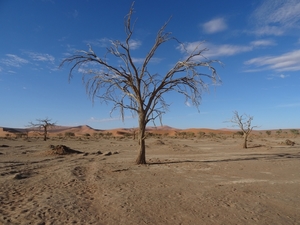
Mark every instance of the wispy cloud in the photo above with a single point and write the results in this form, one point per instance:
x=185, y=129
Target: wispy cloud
x=105, y=42
x=269, y=30
x=227, y=50
x=188, y=104
x=138, y=60
x=13, y=61
x=102, y=43
x=260, y=43
x=275, y=17
x=215, y=25
x=134, y=44
x=282, y=76
x=154, y=60
x=214, y=50
x=41, y=57
x=285, y=62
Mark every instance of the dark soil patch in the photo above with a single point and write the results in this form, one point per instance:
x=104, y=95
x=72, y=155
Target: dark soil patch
x=62, y=150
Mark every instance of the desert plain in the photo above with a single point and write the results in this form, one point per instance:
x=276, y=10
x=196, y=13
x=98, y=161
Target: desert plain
x=196, y=176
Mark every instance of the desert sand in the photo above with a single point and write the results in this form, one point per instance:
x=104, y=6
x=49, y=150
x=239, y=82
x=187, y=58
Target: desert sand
x=207, y=179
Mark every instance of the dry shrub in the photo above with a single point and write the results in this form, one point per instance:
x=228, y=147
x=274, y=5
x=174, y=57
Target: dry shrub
x=159, y=142
x=289, y=142
x=62, y=150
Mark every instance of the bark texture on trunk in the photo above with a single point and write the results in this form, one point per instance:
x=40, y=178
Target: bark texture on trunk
x=245, y=141
x=141, y=159
x=45, y=134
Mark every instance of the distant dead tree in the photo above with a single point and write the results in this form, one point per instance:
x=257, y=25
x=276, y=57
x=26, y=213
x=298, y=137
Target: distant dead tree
x=130, y=85
x=244, y=123
x=44, y=125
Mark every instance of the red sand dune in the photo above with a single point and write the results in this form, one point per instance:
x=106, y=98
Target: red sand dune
x=85, y=129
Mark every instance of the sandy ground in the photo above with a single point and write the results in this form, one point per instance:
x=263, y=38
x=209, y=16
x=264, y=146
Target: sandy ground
x=187, y=181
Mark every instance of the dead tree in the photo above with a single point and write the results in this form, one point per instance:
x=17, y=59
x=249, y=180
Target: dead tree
x=133, y=87
x=44, y=125
x=244, y=123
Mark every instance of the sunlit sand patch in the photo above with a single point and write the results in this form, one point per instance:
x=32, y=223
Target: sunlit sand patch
x=241, y=181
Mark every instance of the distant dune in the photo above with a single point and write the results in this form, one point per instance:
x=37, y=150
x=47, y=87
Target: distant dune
x=85, y=129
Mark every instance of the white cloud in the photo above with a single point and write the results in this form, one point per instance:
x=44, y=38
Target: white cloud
x=282, y=76
x=262, y=42
x=105, y=43
x=285, y=62
x=13, y=60
x=138, y=60
x=134, y=44
x=188, y=104
x=141, y=60
x=269, y=30
x=211, y=50
x=215, y=25
x=41, y=57
x=227, y=50
x=274, y=17
x=102, y=43
x=214, y=50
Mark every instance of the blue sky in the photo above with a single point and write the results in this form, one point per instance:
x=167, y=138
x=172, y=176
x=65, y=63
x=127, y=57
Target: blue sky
x=258, y=42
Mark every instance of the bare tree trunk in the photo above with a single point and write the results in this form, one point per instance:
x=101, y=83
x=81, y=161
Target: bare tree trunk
x=245, y=140
x=45, y=133
x=141, y=159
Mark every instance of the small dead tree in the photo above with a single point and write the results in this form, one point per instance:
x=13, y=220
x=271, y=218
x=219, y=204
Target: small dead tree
x=44, y=125
x=131, y=86
x=244, y=123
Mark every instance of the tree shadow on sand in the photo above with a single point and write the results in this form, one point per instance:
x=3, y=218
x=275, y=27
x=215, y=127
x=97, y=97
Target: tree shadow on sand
x=279, y=156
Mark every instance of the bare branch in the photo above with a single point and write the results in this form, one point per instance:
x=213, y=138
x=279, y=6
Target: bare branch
x=44, y=125
x=244, y=123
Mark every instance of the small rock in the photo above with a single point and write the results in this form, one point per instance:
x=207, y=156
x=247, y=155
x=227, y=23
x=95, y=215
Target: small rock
x=20, y=176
